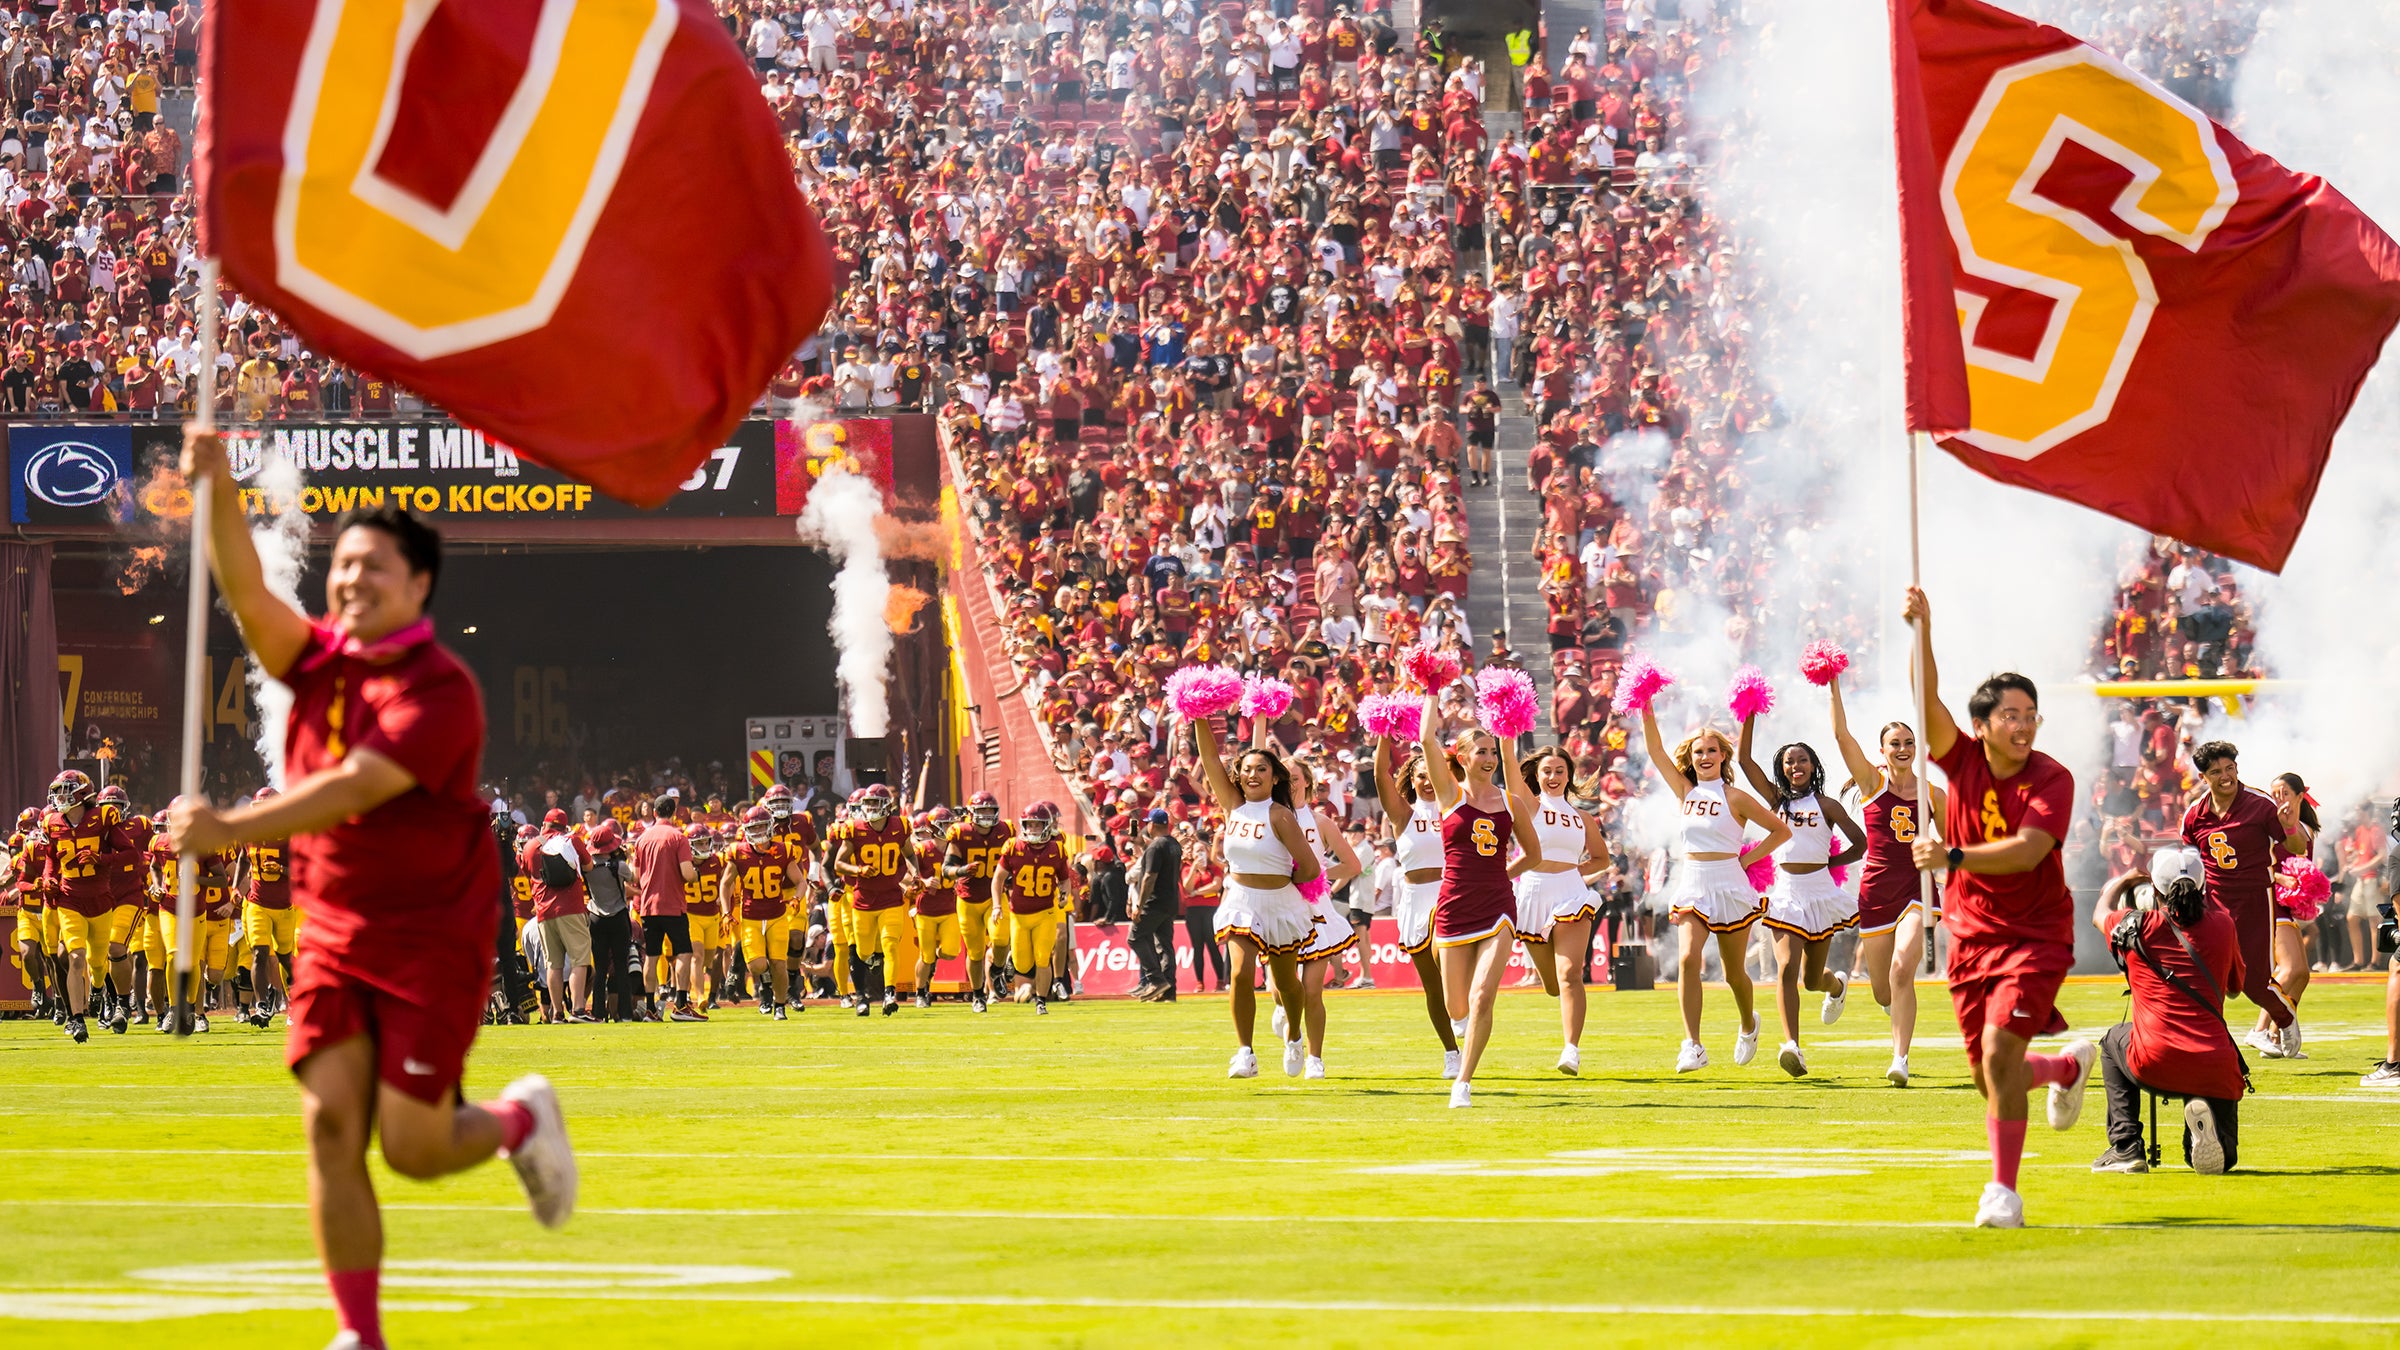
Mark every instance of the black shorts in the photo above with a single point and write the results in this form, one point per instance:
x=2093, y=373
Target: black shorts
x=659, y=931
x=1359, y=918
x=1481, y=437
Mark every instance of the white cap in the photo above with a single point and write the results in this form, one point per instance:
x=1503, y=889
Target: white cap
x=2170, y=865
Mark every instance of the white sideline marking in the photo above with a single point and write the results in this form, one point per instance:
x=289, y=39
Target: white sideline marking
x=1694, y=1164
x=480, y=1277
x=85, y=1305
x=91, y=1306
x=1112, y=1158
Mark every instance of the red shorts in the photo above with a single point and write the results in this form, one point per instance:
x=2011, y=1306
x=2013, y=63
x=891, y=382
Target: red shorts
x=421, y=1039
x=2007, y=984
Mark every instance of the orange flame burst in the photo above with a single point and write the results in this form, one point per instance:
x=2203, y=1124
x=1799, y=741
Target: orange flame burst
x=901, y=606
x=140, y=568
x=912, y=541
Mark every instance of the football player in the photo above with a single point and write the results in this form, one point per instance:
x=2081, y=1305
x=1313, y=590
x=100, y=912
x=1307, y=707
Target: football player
x=83, y=843
x=762, y=872
x=134, y=923
x=972, y=848
x=935, y=901
x=704, y=902
x=269, y=923
x=22, y=872
x=214, y=904
x=874, y=854
x=838, y=913
x=1031, y=879
x=798, y=835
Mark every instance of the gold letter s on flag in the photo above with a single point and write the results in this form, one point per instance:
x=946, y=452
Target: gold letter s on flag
x=2099, y=287
x=493, y=264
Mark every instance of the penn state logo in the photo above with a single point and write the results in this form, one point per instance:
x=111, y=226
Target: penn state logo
x=70, y=474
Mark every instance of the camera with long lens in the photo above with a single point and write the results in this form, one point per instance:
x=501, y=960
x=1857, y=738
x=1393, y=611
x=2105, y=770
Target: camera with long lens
x=2387, y=929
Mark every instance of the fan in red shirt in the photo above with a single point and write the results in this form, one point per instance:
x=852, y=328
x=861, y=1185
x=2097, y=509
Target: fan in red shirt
x=395, y=865
x=2011, y=919
x=2237, y=830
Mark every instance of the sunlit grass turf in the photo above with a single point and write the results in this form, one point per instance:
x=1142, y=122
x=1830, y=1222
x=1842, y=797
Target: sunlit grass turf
x=910, y=1180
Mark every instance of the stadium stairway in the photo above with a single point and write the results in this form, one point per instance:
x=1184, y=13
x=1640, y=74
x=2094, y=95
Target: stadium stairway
x=1504, y=594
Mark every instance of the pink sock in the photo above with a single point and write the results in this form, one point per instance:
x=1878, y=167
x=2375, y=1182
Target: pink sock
x=2048, y=1070
x=516, y=1122
x=2008, y=1148
x=354, y=1303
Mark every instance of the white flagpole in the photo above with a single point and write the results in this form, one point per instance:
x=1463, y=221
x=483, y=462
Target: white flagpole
x=195, y=651
x=1916, y=670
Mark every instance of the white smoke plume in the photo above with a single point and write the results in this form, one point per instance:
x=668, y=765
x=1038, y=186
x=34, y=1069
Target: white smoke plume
x=1803, y=177
x=282, y=544
x=2320, y=91
x=840, y=517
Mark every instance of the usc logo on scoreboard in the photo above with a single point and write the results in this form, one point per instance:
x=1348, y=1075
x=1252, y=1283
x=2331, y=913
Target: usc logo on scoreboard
x=2011, y=235
x=433, y=279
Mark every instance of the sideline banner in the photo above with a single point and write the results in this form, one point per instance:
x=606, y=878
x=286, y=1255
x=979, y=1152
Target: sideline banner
x=1105, y=964
x=120, y=473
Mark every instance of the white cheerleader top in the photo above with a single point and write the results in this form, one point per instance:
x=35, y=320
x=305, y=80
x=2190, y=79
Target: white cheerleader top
x=1316, y=842
x=1420, y=846
x=1250, y=842
x=1812, y=834
x=1559, y=827
x=1708, y=824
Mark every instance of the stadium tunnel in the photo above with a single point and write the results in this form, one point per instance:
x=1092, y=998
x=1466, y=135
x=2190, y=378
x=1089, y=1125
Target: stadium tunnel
x=604, y=637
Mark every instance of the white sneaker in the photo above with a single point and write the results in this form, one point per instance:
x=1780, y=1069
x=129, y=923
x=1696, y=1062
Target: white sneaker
x=1745, y=1046
x=1999, y=1208
x=545, y=1162
x=1293, y=1054
x=1834, y=1002
x=2066, y=1099
x=2204, y=1147
x=345, y=1340
x=1314, y=1069
x=2265, y=1042
x=2290, y=1038
x=1692, y=1058
x=1462, y=1093
x=2385, y=1074
x=200, y=1024
x=1364, y=982
x=1452, y=1059
x=1793, y=1061
x=1244, y=1065
x=1277, y=1020
x=1897, y=1075
x=1570, y=1060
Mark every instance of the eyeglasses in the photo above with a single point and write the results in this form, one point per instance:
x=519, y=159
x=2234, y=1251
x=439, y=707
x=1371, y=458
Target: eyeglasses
x=2012, y=720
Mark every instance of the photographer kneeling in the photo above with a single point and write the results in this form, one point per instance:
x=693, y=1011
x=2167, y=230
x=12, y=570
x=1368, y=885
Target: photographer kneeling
x=2179, y=955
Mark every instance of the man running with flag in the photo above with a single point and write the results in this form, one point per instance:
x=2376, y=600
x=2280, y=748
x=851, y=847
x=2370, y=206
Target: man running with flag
x=392, y=860
x=2010, y=916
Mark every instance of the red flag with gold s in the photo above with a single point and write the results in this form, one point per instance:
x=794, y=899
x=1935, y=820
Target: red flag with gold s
x=570, y=223
x=2112, y=299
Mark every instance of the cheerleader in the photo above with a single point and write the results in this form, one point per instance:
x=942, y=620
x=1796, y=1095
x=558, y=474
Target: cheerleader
x=2291, y=934
x=1556, y=905
x=1892, y=921
x=1267, y=859
x=1712, y=888
x=1329, y=933
x=1474, y=917
x=1807, y=906
x=1416, y=818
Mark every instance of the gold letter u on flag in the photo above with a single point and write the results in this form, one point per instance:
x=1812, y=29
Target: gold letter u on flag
x=493, y=263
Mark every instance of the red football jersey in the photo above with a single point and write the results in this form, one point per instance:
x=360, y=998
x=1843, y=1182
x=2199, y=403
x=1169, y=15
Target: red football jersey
x=2029, y=906
x=939, y=898
x=2237, y=845
x=886, y=852
x=758, y=873
x=1034, y=873
x=980, y=850
x=270, y=879
x=78, y=859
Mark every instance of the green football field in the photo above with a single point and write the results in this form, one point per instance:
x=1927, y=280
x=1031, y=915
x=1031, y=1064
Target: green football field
x=1093, y=1178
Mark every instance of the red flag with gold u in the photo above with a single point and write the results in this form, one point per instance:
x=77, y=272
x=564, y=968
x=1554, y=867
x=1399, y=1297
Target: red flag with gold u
x=2112, y=299
x=571, y=223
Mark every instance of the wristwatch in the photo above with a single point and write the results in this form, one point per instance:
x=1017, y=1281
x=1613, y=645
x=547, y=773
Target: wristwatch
x=1957, y=855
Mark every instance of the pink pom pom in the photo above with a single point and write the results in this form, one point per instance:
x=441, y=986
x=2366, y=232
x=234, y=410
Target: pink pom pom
x=1821, y=662
x=1505, y=702
x=1196, y=692
x=1761, y=874
x=1638, y=684
x=1428, y=669
x=1751, y=695
x=2302, y=887
x=1314, y=891
x=1840, y=872
x=1265, y=696
x=1399, y=716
